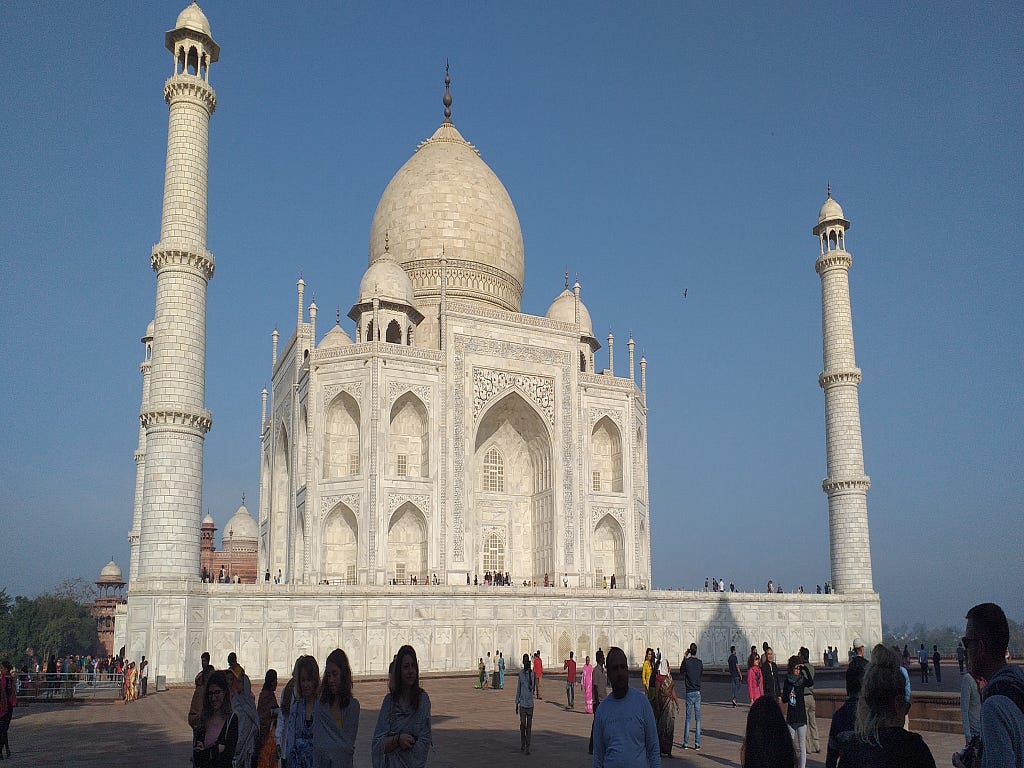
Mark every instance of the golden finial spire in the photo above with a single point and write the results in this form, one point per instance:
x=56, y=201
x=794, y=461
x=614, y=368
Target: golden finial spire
x=387, y=246
x=567, y=280
x=447, y=100
x=828, y=189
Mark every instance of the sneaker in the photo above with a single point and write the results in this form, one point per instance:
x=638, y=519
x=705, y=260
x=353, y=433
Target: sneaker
x=685, y=747
x=697, y=747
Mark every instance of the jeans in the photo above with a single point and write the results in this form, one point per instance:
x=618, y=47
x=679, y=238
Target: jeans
x=525, y=728
x=799, y=733
x=735, y=687
x=570, y=695
x=692, y=703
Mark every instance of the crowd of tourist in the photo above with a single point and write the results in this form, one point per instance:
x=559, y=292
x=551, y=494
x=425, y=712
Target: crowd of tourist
x=316, y=722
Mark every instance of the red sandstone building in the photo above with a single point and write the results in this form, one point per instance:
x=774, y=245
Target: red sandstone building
x=111, y=586
x=237, y=555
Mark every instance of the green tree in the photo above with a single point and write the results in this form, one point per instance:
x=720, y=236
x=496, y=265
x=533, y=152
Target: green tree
x=50, y=624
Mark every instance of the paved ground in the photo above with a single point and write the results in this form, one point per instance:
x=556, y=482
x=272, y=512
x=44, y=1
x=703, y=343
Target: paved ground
x=470, y=727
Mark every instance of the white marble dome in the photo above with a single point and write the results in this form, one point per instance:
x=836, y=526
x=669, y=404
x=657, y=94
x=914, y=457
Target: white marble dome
x=563, y=309
x=386, y=280
x=193, y=18
x=241, y=526
x=208, y=520
x=830, y=211
x=446, y=195
x=111, y=573
x=336, y=337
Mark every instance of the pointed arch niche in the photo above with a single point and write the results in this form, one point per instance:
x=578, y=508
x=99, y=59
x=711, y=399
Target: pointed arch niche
x=513, y=439
x=280, y=505
x=340, y=546
x=606, y=457
x=407, y=545
x=408, y=438
x=609, y=551
x=341, y=438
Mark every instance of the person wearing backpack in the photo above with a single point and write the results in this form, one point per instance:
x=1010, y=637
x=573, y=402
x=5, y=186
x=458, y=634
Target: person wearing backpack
x=1002, y=701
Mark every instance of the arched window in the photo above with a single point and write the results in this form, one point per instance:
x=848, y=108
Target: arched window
x=494, y=471
x=494, y=553
x=369, y=330
x=394, y=333
x=583, y=362
x=192, y=65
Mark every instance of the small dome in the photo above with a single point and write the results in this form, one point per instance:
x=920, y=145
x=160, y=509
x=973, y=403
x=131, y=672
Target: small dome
x=208, y=520
x=149, y=332
x=563, y=309
x=193, y=18
x=241, y=526
x=111, y=573
x=336, y=337
x=830, y=211
x=386, y=279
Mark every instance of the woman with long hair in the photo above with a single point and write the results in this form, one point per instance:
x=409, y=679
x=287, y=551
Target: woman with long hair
x=755, y=680
x=403, y=725
x=337, y=715
x=767, y=743
x=217, y=734
x=267, y=711
x=796, y=710
x=297, y=750
x=879, y=737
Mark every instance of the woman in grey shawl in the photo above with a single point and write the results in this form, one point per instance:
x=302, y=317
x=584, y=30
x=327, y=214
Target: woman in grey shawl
x=402, y=736
x=336, y=715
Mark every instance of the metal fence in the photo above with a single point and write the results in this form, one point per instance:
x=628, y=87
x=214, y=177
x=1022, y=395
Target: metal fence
x=43, y=687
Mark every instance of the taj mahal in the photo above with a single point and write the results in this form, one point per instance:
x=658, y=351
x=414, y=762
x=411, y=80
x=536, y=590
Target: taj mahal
x=441, y=436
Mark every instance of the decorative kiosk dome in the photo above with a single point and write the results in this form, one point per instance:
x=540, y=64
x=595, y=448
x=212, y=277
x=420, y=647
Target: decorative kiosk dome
x=386, y=280
x=563, y=309
x=111, y=574
x=446, y=196
x=193, y=18
x=336, y=337
x=830, y=211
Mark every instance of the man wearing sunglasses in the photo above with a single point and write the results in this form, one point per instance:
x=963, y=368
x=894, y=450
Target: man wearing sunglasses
x=1002, y=702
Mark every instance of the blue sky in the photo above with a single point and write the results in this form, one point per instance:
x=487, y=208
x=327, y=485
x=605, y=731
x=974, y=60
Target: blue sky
x=675, y=146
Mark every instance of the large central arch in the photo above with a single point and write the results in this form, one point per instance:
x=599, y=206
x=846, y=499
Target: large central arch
x=609, y=551
x=407, y=545
x=512, y=485
x=340, y=546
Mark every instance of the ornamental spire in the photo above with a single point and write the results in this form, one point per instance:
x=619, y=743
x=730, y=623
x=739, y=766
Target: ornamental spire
x=447, y=100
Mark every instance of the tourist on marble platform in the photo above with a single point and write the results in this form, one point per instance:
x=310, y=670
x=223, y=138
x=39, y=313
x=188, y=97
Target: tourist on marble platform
x=336, y=715
x=217, y=731
x=766, y=742
x=663, y=667
x=599, y=690
x=538, y=672
x=569, y=667
x=813, y=744
x=936, y=661
x=858, y=654
x=625, y=733
x=923, y=661
x=693, y=672
x=735, y=674
x=844, y=719
x=525, y=686
x=755, y=681
x=8, y=701
x=297, y=748
x=613, y=582
x=489, y=661
x=587, y=684
x=647, y=669
x=770, y=676
x=796, y=710
x=143, y=677
x=879, y=738
x=402, y=737
x=501, y=670
x=961, y=656
x=1002, y=700
x=195, y=710
x=481, y=670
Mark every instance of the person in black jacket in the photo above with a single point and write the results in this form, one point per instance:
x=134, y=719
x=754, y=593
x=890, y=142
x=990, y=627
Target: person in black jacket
x=770, y=673
x=844, y=720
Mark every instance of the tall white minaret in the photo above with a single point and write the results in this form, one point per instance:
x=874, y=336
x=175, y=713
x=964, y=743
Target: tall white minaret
x=175, y=417
x=134, y=534
x=846, y=484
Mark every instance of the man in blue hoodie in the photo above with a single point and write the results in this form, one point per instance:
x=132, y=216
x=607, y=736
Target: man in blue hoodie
x=1002, y=701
